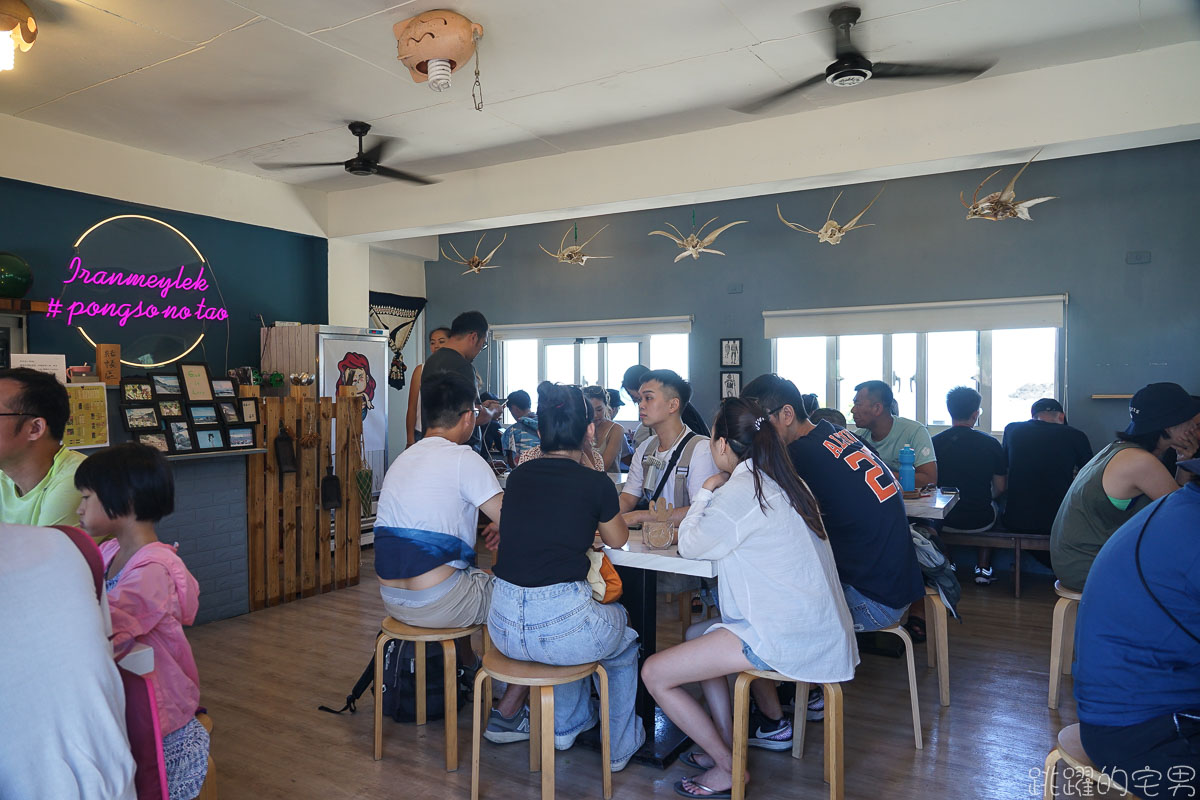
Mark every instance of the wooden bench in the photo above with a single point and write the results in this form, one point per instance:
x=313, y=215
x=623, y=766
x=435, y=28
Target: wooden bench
x=1003, y=539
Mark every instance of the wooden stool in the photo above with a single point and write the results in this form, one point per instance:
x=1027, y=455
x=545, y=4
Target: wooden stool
x=1070, y=750
x=395, y=629
x=1062, y=638
x=900, y=631
x=208, y=790
x=834, y=754
x=541, y=680
x=937, y=647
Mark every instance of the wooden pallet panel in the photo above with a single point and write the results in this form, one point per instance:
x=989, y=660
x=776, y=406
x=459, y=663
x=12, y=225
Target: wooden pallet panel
x=309, y=498
x=256, y=470
x=272, y=529
x=291, y=415
x=325, y=418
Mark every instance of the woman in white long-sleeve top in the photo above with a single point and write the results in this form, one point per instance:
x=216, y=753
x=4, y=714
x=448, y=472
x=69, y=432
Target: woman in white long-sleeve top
x=782, y=606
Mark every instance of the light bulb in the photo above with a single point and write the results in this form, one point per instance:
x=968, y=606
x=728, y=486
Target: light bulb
x=8, y=47
x=439, y=74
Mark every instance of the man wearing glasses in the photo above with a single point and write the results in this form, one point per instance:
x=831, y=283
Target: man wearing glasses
x=468, y=338
x=37, y=474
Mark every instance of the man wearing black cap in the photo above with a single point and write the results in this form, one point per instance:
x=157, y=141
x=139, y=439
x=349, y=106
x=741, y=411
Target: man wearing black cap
x=1122, y=478
x=1043, y=455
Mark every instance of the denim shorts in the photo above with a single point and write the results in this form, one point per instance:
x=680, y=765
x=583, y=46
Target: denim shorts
x=868, y=614
x=754, y=660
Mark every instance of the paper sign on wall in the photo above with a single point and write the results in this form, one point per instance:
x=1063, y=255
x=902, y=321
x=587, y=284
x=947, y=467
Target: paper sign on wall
x=56, y=365
x=88, y=426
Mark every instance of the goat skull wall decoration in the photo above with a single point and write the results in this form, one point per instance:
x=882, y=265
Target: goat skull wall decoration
x=692, y=244
x=475, y=263
x=573, y=254
x=1001, y=205
x=831, y=232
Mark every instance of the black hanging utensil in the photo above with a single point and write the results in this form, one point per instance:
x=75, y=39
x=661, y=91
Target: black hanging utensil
x=331, y=489
x=285, y=453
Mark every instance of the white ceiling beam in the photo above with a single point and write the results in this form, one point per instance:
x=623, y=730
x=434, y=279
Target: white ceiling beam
x=1115, y=103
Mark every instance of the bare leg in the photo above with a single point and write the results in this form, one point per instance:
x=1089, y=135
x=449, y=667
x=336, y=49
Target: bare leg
x=707, y=659
x=766, y=697
x=514, y=697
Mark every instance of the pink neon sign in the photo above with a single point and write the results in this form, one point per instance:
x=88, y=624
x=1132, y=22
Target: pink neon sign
x=127, y=311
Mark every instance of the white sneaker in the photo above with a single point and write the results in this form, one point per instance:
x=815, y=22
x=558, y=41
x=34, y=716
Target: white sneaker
x=567, y=740
x=617, y=766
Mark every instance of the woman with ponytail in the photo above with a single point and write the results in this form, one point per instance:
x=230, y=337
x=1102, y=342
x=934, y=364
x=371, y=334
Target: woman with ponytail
x=782, y=606
x=542, y=607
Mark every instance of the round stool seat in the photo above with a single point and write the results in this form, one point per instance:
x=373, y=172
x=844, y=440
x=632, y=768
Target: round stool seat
x=531, y=673
x=396, y=628
x=1063, y=591
x=1070, y=749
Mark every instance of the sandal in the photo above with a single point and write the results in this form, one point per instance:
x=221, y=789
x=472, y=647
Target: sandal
x=682, y=790
x=916, y=629
x=689, y=759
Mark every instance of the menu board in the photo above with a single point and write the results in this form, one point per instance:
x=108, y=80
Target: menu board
x=88, y=426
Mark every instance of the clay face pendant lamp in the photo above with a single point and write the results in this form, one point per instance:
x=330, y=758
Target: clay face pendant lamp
x=434, y=44
x=16, y=276
x=18, y=30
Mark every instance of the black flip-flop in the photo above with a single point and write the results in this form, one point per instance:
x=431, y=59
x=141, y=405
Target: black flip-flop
x=689, y=759
x=683, y=792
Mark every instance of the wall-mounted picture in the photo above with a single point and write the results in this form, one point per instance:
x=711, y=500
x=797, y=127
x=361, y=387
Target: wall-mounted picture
x=731, y=384
x=170, y=409
x=203, y=415
x=136, y=390
x=181, y=437
x=156, y=440
x=223, y=387
x=249, y=409
x=241, y=437
x=166, y=384
x=731, y=352
x=140, y=418
x=211, y=439
x=229, y=411
x=195, y=382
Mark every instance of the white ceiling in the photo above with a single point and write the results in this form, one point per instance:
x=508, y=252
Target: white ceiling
x=233, y=83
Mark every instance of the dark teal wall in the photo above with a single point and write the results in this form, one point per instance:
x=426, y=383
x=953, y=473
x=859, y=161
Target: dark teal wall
x=1127, y=325
x=261, y=270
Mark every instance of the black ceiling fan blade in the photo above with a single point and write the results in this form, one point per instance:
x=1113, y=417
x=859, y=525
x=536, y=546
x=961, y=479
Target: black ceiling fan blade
x=763, y=103
x=298, y=164
x=381, y=149
x=917, y=70
x=400, y=175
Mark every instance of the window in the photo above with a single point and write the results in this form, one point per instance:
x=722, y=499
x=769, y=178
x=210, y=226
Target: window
x=521, y=358
x=1006, y=348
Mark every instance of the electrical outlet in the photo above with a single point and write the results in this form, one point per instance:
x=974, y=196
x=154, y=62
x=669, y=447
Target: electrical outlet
x=733, y=288
x=1137, y=257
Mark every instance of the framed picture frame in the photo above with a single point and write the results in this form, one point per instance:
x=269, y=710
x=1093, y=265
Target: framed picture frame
x=171, y=409
x=141, y=418
x=195, y=382
x=224, y=387
x=249, y=406
x=229, y=412
x=204, y=415
x=166, y=384
x=731, y=383
x=157, y=440
x=136, y=390
x=731, y=352
x=241, y=437
x=180, y=437
x=211, y=439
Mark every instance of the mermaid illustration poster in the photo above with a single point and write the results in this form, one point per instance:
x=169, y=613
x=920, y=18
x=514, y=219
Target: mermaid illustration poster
x=360, y=359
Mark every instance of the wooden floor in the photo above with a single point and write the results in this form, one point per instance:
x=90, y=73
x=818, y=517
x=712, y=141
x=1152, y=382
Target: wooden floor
x=264, y=674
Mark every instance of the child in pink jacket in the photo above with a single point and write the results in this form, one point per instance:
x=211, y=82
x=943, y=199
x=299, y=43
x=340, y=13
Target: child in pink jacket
x=126, y=490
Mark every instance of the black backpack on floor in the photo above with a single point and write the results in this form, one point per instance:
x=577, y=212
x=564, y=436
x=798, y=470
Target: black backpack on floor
x=399, y=691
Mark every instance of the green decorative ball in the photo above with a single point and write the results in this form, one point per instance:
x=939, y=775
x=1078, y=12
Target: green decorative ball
x=16, y=276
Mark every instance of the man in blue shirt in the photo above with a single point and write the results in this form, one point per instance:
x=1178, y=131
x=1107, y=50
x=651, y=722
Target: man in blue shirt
x=1137, y=670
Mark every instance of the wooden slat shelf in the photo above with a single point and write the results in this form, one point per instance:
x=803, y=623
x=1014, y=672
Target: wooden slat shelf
x=11, y=304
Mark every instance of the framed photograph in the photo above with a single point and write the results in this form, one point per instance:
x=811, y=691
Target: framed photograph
x=136, y=390
x=204, y=415
x=180, y=437
x=731, y=383
x=194, y=381
x=170, y=409
x=166, y=384
x=731, y=352
x=223, y=387
x=211, y=439
x=241, y=437
x=229, y=412
x=140, y=418
x=156, y=440
x=249, y=409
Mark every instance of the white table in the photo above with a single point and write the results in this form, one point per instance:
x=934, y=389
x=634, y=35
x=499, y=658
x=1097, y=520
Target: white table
x=935, y=506
x=639, y=556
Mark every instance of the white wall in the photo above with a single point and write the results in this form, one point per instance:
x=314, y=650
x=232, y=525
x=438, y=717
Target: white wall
x=349, y=281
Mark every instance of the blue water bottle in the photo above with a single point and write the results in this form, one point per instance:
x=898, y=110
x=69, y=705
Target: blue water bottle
x=908, y=473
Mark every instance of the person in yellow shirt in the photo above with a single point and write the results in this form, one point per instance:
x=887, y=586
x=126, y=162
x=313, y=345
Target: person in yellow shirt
x=37, y=473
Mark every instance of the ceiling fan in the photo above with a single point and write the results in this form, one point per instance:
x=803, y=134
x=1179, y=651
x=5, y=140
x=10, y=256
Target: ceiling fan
x=851, y=67
x=365, y=163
